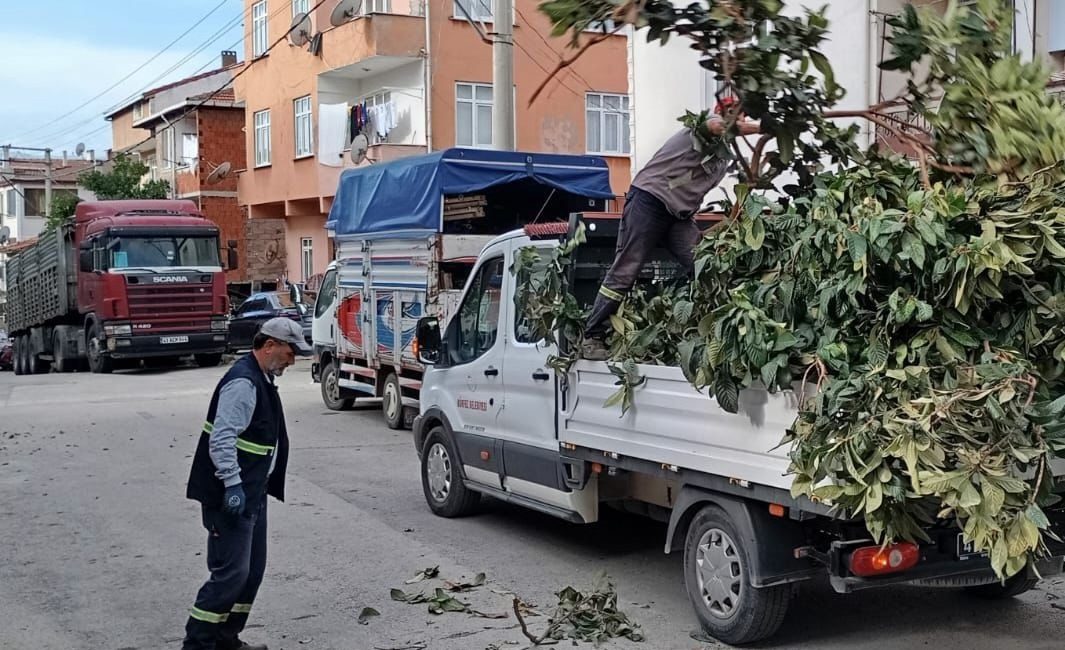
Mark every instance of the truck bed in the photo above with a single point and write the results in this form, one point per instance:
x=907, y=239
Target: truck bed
x=40, y=282
x=672, y=423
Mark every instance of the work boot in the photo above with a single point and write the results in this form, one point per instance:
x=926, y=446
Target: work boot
x=241, y=645
x=594, y=349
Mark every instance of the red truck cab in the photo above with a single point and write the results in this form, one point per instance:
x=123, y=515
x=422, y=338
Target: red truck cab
x=150, y=281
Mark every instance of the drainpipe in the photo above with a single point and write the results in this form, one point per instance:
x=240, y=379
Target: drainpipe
x=170, y=161
x=427, y=91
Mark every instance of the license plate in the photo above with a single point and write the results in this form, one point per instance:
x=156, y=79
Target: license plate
x=966, y=551
x=165, y=340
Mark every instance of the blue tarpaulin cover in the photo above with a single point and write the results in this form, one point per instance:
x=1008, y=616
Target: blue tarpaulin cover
x=408, y=194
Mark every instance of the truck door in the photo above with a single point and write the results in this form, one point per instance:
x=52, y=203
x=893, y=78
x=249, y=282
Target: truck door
x=323, y=328
x=530, y=447
x=475, y=338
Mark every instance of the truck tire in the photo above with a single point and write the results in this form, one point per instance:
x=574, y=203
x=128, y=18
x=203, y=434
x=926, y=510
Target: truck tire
x=99, y=363
x=38, y=366
x=27, y=355
x=17, y=357
x=392, y=402
x=442, y=484
x=59, y=362
x=1014, y=586
x=717, y=575
x=208, y=360
x=331, y=391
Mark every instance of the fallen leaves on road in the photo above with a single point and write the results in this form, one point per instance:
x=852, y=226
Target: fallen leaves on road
x=478, y=581
x=425, y=574
x=366, y=614
x=593, y=616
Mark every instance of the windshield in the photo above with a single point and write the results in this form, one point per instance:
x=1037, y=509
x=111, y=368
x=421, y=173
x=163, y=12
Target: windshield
x=181, y=251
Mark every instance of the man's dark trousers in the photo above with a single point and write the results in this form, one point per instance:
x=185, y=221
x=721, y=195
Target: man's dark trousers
x=236, y=557
x=646, y=224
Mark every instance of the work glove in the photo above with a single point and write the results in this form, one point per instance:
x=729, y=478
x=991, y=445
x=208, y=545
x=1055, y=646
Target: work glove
x=233, y=503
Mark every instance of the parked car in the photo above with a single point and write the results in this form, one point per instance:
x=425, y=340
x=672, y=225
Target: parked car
x=261, y=307
x=7, y=354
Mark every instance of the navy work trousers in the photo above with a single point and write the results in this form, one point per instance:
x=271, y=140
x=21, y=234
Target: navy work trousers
x=646, y=224
x=236, y=558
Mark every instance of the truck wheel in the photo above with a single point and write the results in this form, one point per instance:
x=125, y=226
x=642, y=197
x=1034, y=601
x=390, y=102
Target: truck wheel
x=38, y=366
x=392, y=402
x=717, y=575
x=99, y=363
x=1014, y=586
x=208, y=360
x=59, y=362
x=331, y=391
x=17, y=357
x=442, y=484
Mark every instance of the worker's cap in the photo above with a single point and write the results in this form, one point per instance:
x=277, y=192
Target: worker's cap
x=288, y=331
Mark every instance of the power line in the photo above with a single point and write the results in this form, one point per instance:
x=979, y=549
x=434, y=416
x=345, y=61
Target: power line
x=546, y=71
x=550, y=49
x=135, y=71
x=211, y=96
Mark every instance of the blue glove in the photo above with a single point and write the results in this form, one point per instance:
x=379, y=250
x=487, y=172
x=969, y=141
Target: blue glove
x=233, y=503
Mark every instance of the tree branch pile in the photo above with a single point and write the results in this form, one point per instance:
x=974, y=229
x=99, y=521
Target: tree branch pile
x=926, y=301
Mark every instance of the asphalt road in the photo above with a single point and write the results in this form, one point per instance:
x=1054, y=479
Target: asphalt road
x=99, y=548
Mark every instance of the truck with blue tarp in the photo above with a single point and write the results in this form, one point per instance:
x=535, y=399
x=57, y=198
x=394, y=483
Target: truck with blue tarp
x=406, y=235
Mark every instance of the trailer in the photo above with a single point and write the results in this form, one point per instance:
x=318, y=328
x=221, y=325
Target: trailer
x=406, y=236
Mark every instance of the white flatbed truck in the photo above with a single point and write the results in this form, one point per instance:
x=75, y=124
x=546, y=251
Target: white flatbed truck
x=496, y=421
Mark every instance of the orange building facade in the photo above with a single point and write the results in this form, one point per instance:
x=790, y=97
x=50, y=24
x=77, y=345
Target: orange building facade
x=295, y=97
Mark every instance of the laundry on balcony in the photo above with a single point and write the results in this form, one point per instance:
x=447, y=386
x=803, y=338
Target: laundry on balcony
x=383, y=118
x=332, y=133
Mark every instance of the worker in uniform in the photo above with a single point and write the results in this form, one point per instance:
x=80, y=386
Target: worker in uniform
x=660, y=210
x=240, y=459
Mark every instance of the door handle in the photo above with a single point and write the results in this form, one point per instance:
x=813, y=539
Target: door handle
x=491, y=372
x=540, y=375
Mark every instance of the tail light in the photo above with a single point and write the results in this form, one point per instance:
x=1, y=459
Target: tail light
x=870, y=561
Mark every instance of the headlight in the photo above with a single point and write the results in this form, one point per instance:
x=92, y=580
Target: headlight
x=118, y=330
x=220, y=324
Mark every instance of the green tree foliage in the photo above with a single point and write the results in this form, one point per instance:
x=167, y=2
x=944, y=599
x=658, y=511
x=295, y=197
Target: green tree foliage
x=917, y=307
x=121, y=181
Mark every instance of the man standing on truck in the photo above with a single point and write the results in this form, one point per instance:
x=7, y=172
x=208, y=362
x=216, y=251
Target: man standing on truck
x=660, y=210
x=240, y=459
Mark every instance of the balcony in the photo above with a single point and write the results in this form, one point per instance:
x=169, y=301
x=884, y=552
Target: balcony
x=375, y=43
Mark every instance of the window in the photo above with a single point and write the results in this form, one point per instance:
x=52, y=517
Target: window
x=607, y=123
x=300, y=7
x=377, y=7
x=525, y=330
x=477, y=9
x=166, y=138
x=379, y=99
x=307, y=257
x=327, y=293
x=262, y=138
x=259, y=32
x=252, y=305
x=473, y=115
x=12, y=202
x=304, y=127
x=477, y=322
x=190, y=149
x=709, y=90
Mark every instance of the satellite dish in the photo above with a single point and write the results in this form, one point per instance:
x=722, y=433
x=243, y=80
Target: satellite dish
x=359, y=146
x=80, y=149
x=300, y=32
x=345, y=11
x=5, y=234
x=218, y=173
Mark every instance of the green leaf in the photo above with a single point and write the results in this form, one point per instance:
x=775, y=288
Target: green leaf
x=856, y=245
x=726, y=392
x=820, y=62
x=755, y=234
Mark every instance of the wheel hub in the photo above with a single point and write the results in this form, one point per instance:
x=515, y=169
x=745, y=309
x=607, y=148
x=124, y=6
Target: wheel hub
x=719, y=571
x=391, y=400
x=438, y=472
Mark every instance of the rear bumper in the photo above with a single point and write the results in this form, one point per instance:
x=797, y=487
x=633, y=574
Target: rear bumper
x=167, y=345
x=940, y=565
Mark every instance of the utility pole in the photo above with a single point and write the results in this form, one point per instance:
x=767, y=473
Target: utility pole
x=503, y=75
x=47, y=182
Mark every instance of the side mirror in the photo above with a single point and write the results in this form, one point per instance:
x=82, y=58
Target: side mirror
x=232, y=261
x=85, y=259
x=427, y=340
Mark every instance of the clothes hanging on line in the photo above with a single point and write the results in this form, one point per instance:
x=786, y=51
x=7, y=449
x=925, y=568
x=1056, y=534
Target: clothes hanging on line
x=383, y=118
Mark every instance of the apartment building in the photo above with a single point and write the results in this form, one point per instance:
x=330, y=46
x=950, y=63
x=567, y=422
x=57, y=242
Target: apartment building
x=422, y=76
